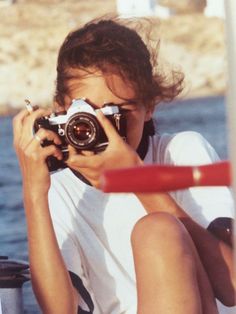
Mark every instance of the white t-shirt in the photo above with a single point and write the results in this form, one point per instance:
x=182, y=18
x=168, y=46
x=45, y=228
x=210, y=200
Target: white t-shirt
x=93, y=228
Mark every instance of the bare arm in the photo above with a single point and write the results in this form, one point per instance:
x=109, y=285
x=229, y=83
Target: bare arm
x=216, y=255
x=50, y=278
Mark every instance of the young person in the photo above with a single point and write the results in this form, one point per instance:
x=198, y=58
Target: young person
x=120, y=253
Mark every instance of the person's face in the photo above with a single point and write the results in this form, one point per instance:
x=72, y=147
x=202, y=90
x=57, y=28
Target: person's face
x=94, y=89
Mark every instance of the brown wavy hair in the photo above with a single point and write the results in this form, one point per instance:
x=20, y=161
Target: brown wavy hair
x=109, y=45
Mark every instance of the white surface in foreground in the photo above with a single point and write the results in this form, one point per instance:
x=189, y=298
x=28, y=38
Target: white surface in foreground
x=230, y=10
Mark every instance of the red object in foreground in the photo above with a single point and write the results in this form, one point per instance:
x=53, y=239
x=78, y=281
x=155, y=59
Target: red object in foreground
x=159, y=178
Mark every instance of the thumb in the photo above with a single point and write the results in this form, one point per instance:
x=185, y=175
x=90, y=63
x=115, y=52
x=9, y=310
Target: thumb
x=108, y=128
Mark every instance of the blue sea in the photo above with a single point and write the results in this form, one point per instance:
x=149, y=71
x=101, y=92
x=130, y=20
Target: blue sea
x=204, y=115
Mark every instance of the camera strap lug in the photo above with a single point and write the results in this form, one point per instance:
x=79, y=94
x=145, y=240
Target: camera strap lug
x=117, y=120
x=61, y=131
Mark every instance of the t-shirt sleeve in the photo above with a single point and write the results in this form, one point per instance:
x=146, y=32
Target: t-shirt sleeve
x=203, y=204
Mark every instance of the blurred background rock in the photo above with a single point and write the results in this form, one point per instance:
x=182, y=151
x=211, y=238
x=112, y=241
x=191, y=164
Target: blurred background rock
x=185, y=6
x=31, y=33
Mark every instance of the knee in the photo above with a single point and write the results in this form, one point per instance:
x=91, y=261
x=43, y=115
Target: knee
x=160, y=232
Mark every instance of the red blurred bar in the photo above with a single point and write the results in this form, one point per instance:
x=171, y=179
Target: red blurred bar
x=159, y=178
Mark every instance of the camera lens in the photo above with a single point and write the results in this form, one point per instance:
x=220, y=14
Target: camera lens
x=82, y=130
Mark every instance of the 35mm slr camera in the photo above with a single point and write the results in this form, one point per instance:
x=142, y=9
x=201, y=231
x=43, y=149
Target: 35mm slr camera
x=80, y=128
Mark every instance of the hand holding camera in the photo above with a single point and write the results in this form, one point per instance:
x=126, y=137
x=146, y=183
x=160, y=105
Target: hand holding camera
x=118, y=153
x=80, y=128
x=32, y=157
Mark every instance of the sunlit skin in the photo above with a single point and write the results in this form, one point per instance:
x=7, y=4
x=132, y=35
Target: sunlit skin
x=36, y=182
x=188, y=278
x=94, y=88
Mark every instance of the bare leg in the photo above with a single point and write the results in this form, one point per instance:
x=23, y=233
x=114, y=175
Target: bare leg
x=170, y=277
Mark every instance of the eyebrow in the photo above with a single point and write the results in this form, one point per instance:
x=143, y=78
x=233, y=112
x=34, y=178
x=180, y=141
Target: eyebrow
x=129, y=102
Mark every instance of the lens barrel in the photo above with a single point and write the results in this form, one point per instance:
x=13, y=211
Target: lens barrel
x=82, y=130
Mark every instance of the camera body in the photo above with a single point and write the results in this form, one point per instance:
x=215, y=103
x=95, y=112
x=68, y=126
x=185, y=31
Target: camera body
x=80, y=128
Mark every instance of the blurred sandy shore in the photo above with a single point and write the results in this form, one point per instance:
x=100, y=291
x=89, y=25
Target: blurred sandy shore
x=31, y=33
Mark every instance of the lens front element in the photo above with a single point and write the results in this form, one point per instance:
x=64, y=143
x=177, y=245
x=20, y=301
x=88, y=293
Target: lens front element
x=82, y=130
